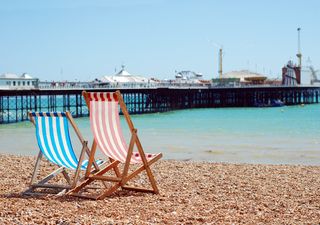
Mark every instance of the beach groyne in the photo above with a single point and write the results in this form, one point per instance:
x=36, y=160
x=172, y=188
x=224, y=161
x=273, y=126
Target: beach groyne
x=15, y=104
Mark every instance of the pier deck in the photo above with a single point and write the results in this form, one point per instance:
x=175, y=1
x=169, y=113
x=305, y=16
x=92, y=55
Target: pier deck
x=15, y=104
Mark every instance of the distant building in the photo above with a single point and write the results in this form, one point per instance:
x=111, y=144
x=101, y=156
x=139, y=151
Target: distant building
x=226, y=82
x=190, y=77
x=246, y=77
x=13, y=81
x=186, y=78
x=274, y=82
x=291, y=74
x=124, y=79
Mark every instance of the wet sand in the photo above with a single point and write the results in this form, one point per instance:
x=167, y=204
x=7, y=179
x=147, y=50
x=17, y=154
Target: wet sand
x=190, y=193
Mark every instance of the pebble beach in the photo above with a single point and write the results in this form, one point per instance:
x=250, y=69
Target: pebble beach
x=190, y=193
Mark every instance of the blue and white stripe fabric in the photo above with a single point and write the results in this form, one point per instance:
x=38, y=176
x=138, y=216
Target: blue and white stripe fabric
x=54, y=141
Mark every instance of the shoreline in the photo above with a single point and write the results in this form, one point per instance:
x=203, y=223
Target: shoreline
x=190, y=193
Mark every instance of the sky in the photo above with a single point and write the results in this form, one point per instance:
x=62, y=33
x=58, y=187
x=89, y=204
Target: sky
x=87, y=39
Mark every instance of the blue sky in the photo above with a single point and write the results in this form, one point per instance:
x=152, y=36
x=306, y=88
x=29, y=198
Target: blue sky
x=64, y=39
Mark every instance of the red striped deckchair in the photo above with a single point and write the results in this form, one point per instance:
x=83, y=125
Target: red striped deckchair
x=108, y=137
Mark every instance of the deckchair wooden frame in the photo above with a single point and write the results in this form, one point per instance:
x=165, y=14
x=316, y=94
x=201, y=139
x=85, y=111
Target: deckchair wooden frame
x=121, y=179
x=71, y=183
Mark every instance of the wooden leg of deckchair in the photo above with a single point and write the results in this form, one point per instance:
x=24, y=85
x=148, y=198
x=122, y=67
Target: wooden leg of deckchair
x=91, y=161
x=51, y=175
x=136, y=172
x=34, y=174
x=91, y=158
x=78, y=170
x=129, y=155
x=43, y=182
x=116, y=169
x=145, y=163
x=36, y=168
x=54, y=186
x=141, y=168
x=94, y=163
x=66, y=176
x=90, y=180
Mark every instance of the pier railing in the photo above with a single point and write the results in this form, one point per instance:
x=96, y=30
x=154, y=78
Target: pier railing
x=15, y=104
x=86, y=85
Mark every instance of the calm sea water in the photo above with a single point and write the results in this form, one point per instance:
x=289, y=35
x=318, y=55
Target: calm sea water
x=286, y=135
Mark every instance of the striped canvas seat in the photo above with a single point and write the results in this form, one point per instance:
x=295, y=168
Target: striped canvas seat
x=52, y=132
x=105, y=125
x=108, y=137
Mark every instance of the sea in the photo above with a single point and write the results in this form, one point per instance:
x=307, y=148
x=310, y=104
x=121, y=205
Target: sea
x=279, y=135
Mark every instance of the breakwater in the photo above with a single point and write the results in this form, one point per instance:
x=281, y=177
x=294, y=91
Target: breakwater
x=15, y=104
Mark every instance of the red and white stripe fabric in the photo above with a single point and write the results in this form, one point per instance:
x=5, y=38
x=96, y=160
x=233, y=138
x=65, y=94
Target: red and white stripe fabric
x=105, y=125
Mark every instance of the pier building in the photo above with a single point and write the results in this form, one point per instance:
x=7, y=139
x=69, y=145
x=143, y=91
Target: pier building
x=124, y=79
x=291, y=74
x=13, y=81
x=246, y=77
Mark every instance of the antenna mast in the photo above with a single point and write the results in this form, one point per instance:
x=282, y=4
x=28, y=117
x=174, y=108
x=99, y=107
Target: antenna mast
x=220, y=63
x=299, y=55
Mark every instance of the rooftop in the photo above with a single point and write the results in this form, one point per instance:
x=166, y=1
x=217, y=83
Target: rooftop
x=15, y=76
x=124, y=76
x=244, y=75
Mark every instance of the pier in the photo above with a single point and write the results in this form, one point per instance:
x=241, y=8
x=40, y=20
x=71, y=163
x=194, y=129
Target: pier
x=15, y=104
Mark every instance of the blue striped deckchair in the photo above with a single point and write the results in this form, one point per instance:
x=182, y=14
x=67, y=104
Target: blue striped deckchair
x=52, y=133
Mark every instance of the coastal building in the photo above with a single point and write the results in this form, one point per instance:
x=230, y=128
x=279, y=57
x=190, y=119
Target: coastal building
x=246, y=77
x=13, y=81
x=125, y=80
x=291, y=74
x=226, y=82
x=188, y=77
